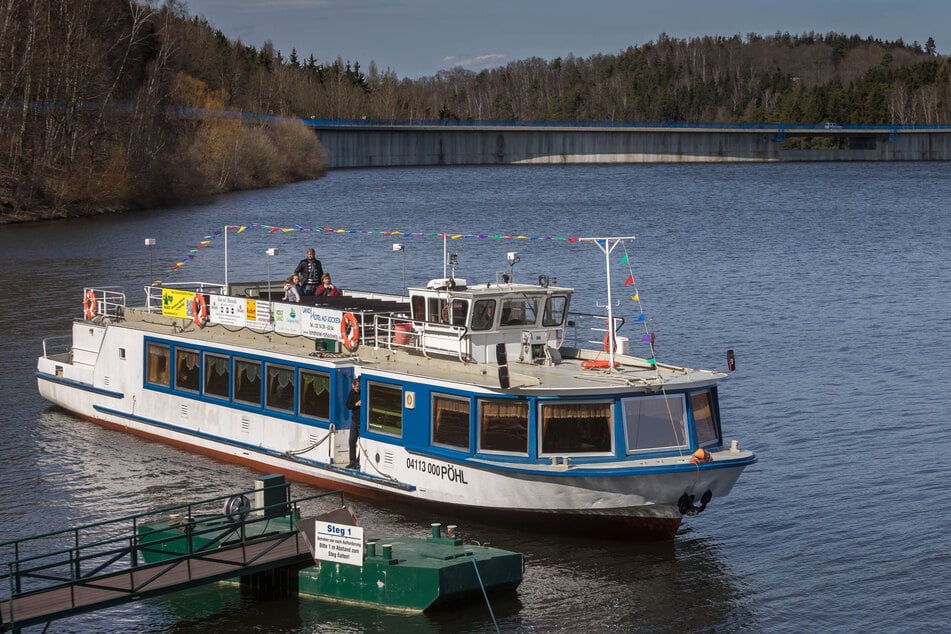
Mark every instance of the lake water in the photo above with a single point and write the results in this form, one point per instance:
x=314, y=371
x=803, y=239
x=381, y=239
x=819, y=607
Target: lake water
x=830, y=282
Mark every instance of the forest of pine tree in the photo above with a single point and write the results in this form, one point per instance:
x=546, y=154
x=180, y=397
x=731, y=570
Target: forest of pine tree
x=110, y=105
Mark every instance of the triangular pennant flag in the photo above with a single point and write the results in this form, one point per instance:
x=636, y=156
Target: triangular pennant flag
x=623, y=260
x=646, y=338
x=636, y=297
x=641, y=317
x=629, y=280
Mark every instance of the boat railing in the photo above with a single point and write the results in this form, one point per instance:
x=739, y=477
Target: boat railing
x=104, y=300
x=57, y=346
x=153, y=292
x=590, y=330
x=423, y=337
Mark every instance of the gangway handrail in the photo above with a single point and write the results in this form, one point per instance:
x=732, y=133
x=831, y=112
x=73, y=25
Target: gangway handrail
x=226, y=534
x=80, y=546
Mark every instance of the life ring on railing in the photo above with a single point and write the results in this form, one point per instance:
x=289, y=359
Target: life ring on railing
x=596, y=365
x=200, y=310
x=89, y=304
x=349, y=332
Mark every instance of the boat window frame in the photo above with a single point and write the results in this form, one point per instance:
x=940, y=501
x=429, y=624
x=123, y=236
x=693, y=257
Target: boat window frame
x=195, y=377
x=283, y=368
x=480, y=319
x=541, y=420
x=435, y=409
x=547, y=310
x=714, y=418
x=372, y=388
x=235, y=361
x=630, y=447
x=480, y=425
x=207, y=367
x=301, y=391
x=526, y=305
x=163, y=376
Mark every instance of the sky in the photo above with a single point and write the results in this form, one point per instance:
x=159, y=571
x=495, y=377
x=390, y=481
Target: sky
x=418, y=38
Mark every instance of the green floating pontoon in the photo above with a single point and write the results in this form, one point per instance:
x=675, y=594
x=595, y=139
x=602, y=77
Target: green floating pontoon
x=342, y=564
x=414, y=574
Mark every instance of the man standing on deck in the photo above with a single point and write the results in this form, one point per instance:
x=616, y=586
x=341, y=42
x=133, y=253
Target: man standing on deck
x=309, y=270
x=353, y=404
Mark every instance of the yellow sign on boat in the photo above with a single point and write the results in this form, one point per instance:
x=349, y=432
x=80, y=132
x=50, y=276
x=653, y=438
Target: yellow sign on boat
x=176, y=303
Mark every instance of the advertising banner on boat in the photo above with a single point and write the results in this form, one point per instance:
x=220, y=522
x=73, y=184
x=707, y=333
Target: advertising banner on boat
x=287, y=319
x=229, y=311
x=176, y=303
x=321, y=323
x=258, y=314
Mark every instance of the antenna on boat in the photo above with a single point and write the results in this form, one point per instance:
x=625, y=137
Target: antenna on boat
x=607, y=245
x=445, y=256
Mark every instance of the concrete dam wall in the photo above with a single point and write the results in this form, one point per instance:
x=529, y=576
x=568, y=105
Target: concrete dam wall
x=356, y=145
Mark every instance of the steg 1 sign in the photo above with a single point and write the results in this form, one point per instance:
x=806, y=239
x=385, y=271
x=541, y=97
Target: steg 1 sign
x=338, y=543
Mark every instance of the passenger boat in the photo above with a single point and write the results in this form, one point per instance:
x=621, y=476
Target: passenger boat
x=490, y=399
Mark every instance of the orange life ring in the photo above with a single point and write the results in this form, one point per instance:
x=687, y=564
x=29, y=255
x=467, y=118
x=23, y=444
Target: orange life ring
x=200, y=310
x=89, y=304
x=593, y=365
x=349, y=332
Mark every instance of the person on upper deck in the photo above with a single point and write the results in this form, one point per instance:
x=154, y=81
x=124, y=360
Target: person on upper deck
x=326, y=287
x=291, y=292
x=309, y=270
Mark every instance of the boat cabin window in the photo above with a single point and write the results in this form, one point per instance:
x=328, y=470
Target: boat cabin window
x=703, y=418
x=186, y=369
x=483, y=314
x=517, y=312
x=418, y=307
x=385, y=409
x=451, y=422
x=280, y=388
x=556, y=307
x=459, y=312
x=503, y=426
x=315, y=394
x=575, y=428
x=217, y=375
x=157, y=364
x=654, y=422
x=247, y=381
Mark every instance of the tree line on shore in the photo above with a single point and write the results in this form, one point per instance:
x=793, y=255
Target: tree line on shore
x=109, y=105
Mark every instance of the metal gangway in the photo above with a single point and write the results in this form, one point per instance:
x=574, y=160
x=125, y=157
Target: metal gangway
x=72, y=571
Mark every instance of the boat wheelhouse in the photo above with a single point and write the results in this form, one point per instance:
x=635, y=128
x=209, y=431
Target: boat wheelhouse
x=489, y=398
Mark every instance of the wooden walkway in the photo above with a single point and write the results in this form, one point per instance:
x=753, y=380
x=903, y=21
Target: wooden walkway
x=286, y=549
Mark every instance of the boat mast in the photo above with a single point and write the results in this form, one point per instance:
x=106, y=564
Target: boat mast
x=607, y=245
x=226, y=260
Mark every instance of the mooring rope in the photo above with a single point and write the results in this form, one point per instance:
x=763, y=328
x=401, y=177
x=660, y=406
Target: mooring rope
x=484, y=593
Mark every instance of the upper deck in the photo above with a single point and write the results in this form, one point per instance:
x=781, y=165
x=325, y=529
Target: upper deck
x=447, y=330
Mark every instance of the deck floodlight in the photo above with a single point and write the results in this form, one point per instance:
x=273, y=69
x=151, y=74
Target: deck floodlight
x=150, y=242
x=401, y=248
x=272, y=251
